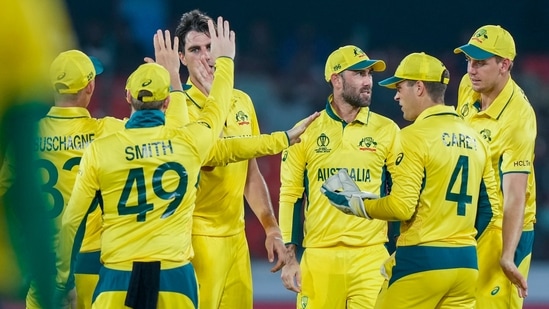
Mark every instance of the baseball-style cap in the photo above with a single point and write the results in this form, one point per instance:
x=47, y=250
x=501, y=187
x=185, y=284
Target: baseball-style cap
x=489, y=41
x=350, y=58
x=151, y=77
x=72, y=70
x=417, y=66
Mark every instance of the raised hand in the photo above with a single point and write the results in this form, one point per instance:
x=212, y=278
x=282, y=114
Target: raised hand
x=167, y=55
x=222, y=40
x=203, y=72
x=295, y=132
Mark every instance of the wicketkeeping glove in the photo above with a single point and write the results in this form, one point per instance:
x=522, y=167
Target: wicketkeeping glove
x=344, y=194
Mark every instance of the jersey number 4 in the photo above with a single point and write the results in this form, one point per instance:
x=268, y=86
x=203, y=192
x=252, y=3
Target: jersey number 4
x=136, y=179
x=460, y=175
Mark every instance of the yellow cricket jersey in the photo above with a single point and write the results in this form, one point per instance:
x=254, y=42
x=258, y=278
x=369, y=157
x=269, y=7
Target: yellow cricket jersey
x=509, y=127
x=220, y=197
x=442, y=173
x=63, y=136
x=364, y=148
x=147, y=176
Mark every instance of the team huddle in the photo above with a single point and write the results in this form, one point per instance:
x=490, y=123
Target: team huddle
x=148, y=210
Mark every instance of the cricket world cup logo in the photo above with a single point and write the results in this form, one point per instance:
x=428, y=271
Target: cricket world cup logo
x=464, y=110
x=322, y=141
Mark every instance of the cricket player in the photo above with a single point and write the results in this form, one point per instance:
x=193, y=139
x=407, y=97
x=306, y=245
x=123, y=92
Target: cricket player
x=497, y=108
x=147, y=175
x=218, y=219
x=153, y=196
x=442, y=180
x=342, y=254
x=64, y=133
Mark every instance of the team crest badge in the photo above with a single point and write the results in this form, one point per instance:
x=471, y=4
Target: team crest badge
x=480, y=36
x=304, y=302
x=367, y=144
x=359, y=53
x=242, y=118
x=284, y=155
x=486, y=134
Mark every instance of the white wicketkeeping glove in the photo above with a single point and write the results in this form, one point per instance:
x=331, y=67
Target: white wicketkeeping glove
x=344, y=194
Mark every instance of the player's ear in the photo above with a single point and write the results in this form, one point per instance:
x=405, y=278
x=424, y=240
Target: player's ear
x=166, y=103
x=182, y=58
x=419, y=87
x=90, y=87
x=335, y=79
x=128, y=97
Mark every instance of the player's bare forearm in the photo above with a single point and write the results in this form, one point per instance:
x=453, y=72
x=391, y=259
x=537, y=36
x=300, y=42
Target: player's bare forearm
x=514, y=191
x=257, y=195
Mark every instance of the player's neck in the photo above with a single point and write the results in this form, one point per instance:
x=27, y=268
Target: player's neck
x=345, y=111
x=489, y=96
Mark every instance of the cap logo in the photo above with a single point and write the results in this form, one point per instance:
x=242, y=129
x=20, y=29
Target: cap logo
x=480, y=36
x=146, y=83
x=358, y=52
x=337, y=67
x=90, y=76
x=61, y=76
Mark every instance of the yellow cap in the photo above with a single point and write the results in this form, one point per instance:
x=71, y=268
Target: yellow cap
x=72, y=70
x=350, y=58
x=489, y=41
x=417, y=66
x=151, y=77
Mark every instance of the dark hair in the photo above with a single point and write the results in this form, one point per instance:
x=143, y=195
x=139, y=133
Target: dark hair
x=140, y=105
x=435, y=90
x=500, y=59
x=194, y=20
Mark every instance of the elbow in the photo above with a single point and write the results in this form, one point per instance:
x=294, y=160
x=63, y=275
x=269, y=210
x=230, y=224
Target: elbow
x=404, y=209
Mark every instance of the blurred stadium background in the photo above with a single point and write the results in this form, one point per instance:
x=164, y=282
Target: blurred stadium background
x=282, y=48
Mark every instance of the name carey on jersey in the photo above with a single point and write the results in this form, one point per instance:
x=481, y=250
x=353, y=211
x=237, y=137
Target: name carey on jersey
x=459, y=140
x=149, y=150
x=357, y=174
x=62, y=143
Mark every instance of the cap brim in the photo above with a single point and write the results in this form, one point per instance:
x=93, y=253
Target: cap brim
x=97, y=65
x=473, y=52
x=390, y=82
x=376, y=65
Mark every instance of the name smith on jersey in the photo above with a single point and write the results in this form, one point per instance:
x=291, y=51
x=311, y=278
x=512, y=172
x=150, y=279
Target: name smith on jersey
x=149, y=150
